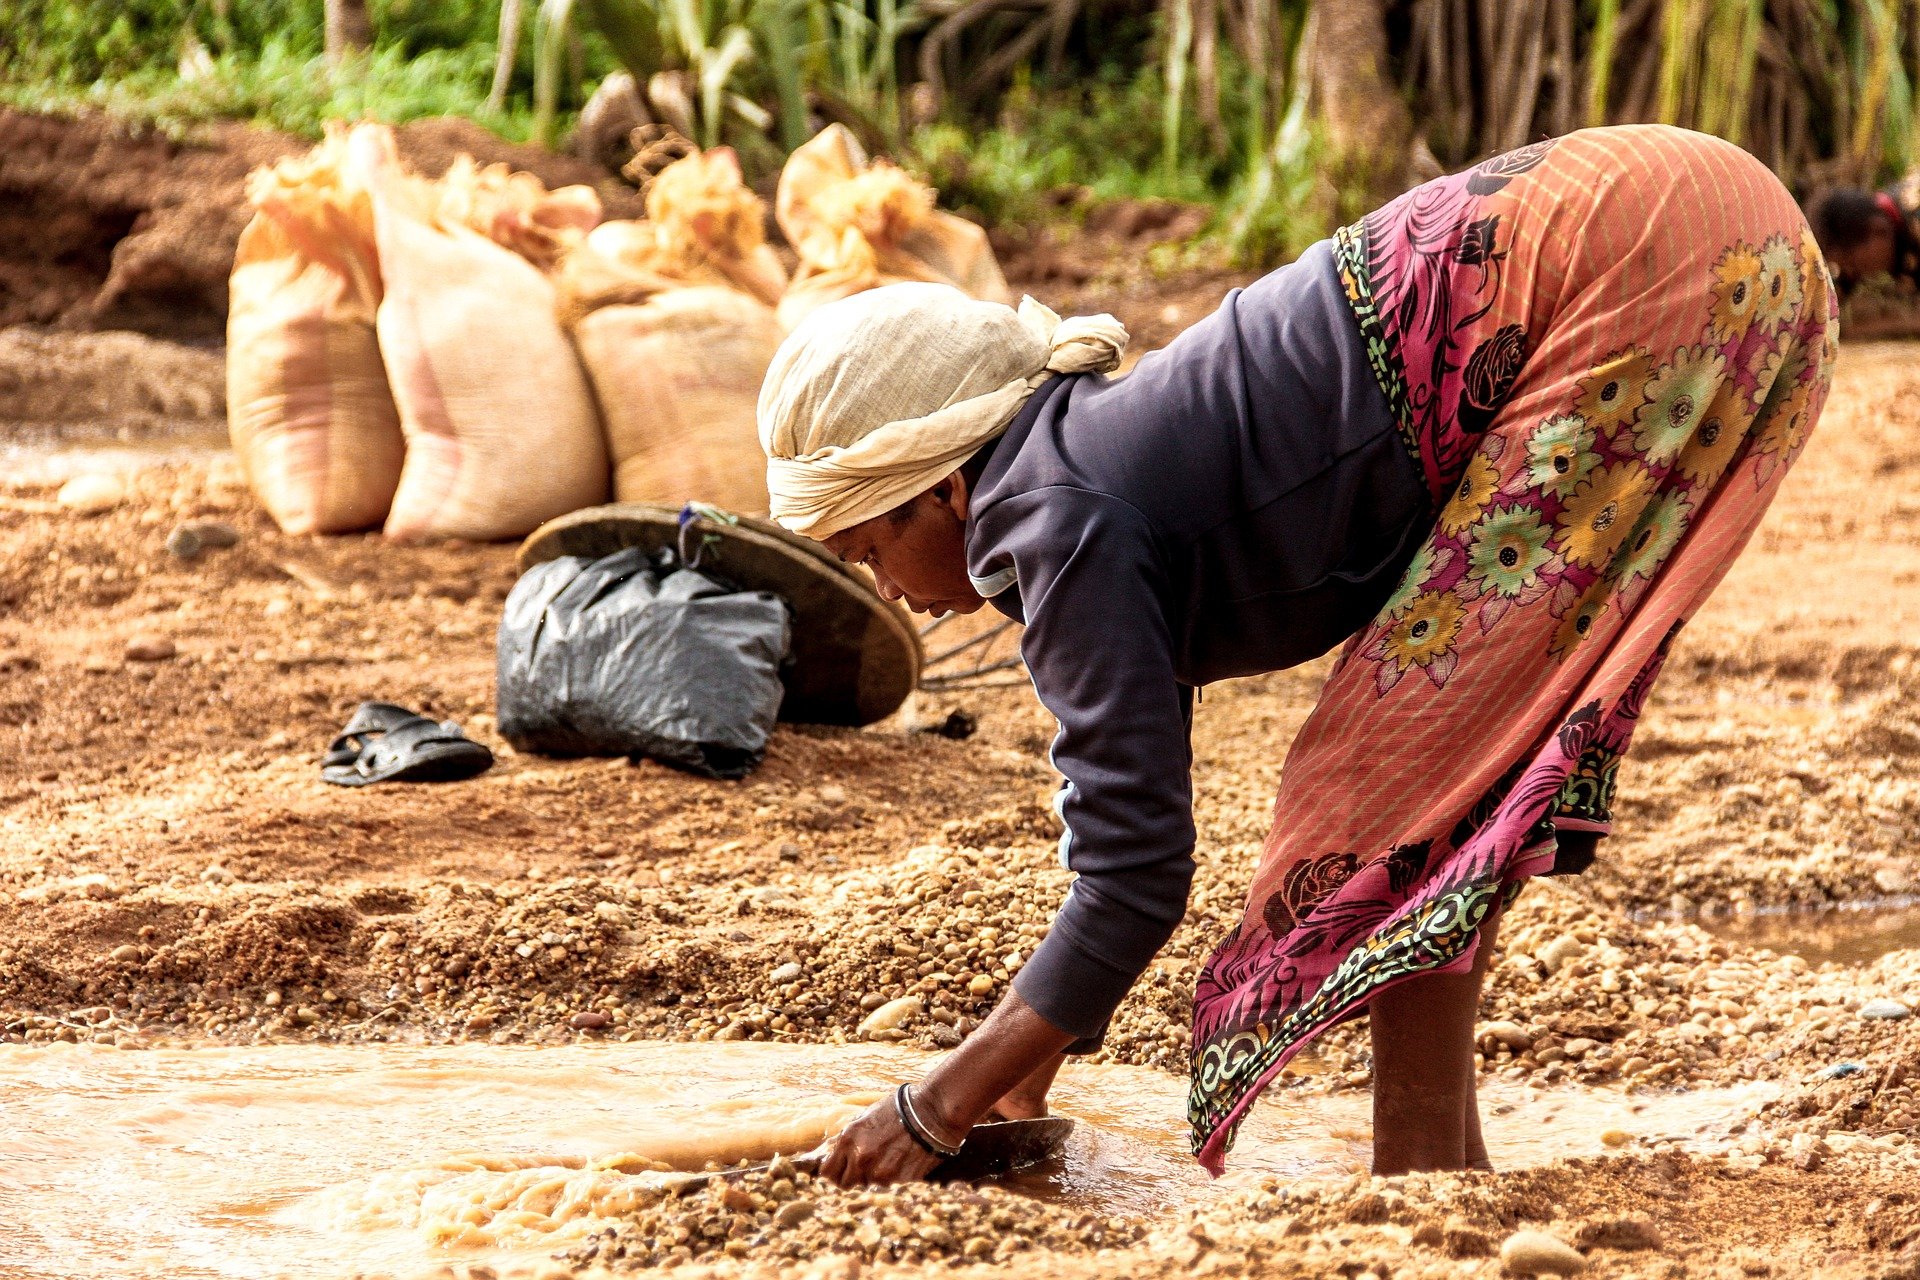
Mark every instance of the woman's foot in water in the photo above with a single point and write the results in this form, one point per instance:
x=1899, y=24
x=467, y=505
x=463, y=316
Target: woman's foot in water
x=1426, y=1115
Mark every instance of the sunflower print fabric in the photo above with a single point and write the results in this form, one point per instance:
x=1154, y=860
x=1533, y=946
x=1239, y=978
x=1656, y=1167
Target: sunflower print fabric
x=1603, y=353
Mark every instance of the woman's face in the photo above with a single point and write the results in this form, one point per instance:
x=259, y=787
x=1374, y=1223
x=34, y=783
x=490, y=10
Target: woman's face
x=1872, y=257
x=918, y=553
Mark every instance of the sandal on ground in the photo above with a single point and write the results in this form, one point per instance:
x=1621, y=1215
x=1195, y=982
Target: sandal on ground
x=388, y=743
x=370, y=720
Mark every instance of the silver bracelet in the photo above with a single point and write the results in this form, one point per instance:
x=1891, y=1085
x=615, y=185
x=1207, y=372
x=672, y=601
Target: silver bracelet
x=923, y=1136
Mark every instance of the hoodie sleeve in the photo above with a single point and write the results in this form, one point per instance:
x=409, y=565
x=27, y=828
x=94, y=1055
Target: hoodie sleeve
x=1094, y=592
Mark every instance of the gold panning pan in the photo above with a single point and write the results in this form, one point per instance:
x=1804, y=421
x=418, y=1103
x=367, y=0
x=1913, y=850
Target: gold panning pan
x=855, y=656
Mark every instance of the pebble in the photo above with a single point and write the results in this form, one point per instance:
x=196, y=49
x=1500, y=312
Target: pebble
x=1885, y=1010
x=184, y=543
x=126, y=953
x=981, y=985
x=1615, y=1138
x=589, y=1020
x=890, y=1015
x=793, y=1213
x=788, y=972
x=90, y=495
x=150, y=648
x=1535, y=1253
x=1807, y=1152
x=1560, y=953
x=1625, y=1234
x=1511, y=1034
x=1892, y=880
x=213, y=534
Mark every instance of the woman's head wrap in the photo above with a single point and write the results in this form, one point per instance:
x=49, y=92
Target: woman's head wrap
x=876, y=398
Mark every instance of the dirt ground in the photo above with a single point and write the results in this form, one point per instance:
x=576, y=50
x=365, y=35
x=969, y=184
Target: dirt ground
x=172, y=867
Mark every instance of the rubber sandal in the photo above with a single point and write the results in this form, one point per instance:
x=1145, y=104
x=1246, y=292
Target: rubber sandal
x=414, y=750
x=370, y=720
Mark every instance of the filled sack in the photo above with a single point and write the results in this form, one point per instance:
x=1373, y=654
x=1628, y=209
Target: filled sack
x=308, y=408
x=631, y=655
x=858, y=224
x=672, y=319
x=501, y=430
x=516, y=210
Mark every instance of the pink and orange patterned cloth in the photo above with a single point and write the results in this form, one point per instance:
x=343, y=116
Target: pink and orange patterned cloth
x=1603, y=351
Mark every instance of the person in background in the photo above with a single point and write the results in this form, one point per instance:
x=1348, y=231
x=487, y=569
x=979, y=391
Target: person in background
x=1865, y=234
x=1499, y=441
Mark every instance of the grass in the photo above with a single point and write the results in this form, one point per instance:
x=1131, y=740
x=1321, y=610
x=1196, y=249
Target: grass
x=287, y=88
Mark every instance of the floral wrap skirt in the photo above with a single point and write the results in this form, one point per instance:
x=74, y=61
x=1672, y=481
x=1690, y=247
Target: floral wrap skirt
x=1603, y=353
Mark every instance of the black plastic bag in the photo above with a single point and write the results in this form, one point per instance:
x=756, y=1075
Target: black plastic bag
x=629, y=656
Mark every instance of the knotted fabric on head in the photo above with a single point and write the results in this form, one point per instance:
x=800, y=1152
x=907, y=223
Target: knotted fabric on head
x=876, y=398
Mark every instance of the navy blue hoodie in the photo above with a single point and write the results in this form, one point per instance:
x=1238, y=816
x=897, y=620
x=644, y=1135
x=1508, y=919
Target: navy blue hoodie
x=1240, y=502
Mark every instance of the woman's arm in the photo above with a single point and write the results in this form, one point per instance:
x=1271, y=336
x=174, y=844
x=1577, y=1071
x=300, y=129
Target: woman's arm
x=1011, y=1045
x=1099, y=646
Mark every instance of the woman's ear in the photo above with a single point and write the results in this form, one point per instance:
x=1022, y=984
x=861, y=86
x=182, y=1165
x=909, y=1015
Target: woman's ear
x=953, y=494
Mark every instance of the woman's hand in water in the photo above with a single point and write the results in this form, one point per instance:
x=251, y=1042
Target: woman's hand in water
x=1009, y=1062
x=877, y=1148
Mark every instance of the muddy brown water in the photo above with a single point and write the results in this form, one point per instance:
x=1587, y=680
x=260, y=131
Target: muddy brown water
x=394, y=1159
x=1856, y=934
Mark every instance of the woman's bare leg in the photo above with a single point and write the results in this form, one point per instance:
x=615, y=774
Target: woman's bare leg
x=1425, y=1112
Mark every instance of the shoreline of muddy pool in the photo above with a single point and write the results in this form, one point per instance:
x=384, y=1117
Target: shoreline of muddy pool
x=173, y=871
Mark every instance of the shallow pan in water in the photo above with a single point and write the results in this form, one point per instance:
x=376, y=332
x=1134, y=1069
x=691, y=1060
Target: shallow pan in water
x=990, y=1151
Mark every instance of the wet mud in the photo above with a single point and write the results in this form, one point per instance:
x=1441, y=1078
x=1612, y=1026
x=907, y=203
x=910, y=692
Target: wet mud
x=231, y=1161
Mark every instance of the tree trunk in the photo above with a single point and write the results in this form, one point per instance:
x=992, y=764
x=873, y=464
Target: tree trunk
x=507, y=53
x=349, y=28
x=1366, y=118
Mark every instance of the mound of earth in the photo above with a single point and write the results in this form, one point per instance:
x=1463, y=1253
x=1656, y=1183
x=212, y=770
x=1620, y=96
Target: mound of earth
x=130, y=383
x=109, y=226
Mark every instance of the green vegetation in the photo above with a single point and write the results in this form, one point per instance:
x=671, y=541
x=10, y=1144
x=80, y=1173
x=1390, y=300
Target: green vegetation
x=1246, y=105
x=283, y=87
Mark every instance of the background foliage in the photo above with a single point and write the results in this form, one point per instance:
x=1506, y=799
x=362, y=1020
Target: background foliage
x=1244, y=104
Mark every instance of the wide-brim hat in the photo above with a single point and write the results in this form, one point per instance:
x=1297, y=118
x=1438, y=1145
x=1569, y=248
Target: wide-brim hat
x=855, y=657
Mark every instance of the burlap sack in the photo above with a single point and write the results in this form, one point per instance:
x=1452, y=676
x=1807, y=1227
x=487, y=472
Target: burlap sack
x=673, y=322
x=704, y=226
x=500, y=424
x=858, y=224
x=515, y=210
x=677, y=378
x=312, y=421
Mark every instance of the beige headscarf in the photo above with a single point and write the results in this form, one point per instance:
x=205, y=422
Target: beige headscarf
x=876, y=398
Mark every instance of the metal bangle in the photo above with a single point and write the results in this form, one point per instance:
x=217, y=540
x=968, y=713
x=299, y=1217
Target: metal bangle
x=922, y=1136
